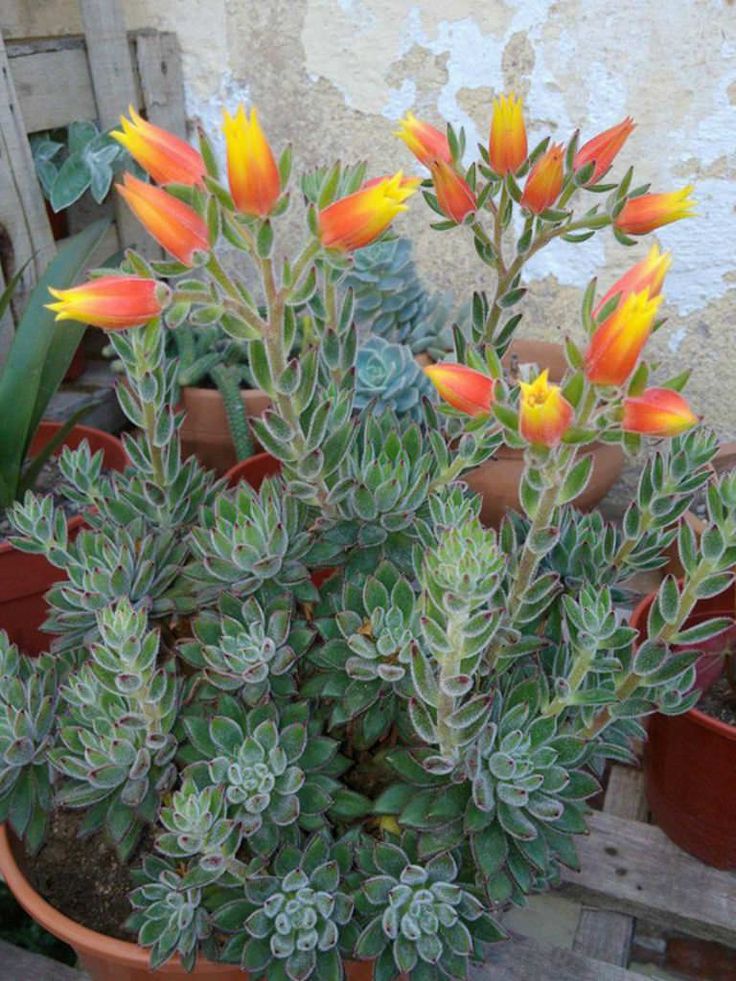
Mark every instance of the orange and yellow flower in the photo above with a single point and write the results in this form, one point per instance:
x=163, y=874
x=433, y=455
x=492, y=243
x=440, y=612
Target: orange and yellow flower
x=464, y=388
x=617, y=343
x=545, y=415
x=425, y=142
x=111, y=302
x=658, y=412
x=454, y=195
x=175, y=226
x=645, y=275
x=602, y=150
x=166, y=158
x=649, y=211
x=358, y=219
x=544, y=183
x=252, y=173
x=507, y=148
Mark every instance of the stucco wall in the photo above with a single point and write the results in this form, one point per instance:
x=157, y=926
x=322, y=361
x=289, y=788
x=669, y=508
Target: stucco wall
x=333, y=76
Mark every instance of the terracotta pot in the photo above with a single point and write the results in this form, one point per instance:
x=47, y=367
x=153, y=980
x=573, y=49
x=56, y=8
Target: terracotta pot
x=205, y=432
x=690, y=759
x=105, y=958
x=24, y=579
x=497, y=480
x=254, y=470
x=108, y=959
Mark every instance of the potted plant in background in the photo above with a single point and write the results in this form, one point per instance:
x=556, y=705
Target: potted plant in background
x=490, y=201
x=690, y=759
x=36, y=363
x=291, y=779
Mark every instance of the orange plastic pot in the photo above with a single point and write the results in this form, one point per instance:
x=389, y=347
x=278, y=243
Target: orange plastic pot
x=497, y=480
x=690, y=759
x=108, y=959
x=205, y=432
x=24, y=578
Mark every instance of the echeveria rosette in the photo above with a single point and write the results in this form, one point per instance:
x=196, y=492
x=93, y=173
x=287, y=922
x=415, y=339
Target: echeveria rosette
x=252, y=540
x=422, y=922
x=197, y=826
x=168, y=916
x=387, y=376
x=28, y=700
x=264, y=760
x=365, y=658
x=240, y=649
x=290, y=925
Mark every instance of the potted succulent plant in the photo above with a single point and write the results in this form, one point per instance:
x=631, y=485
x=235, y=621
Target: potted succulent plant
x=293, y=779
x=36, y=363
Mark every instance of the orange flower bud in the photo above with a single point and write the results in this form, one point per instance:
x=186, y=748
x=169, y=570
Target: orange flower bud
x=545, y=415
x=464, y=388
x=358, y=219
x=658, y=412
x=165, y=157
x=425, y=142
x=544, y=183
x=603, y=149
x=254, y=179
x=175, y=226
x=617, y=343
x=645, y=275
x=507, y=149
x=111, y=302
x=454, y=196
x=649, y=211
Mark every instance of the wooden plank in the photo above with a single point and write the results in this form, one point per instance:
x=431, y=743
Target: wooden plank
x=16, y=963
x=162, y=85
x=520, y=959
x=54, y=88
x=24, y=227
x=114, y=87
x=604, y=934
x=634, y=868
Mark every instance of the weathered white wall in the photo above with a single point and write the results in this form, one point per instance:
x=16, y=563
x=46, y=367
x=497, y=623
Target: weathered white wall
x=333, y=76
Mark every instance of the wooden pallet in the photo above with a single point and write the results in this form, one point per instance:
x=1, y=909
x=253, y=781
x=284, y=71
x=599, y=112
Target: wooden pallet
x=629, y=870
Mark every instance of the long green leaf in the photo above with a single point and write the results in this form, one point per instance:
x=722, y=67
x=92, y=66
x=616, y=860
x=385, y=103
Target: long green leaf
x=7, y=294
x=34, y=467
x=39, y=357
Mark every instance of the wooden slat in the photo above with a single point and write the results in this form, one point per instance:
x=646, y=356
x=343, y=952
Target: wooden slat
x=604, y=934
x=162, y=86
x=54, y=88
x=114, y=87
x=24, y=227
x=634, y=868
x=520, y=959
x=17, y=964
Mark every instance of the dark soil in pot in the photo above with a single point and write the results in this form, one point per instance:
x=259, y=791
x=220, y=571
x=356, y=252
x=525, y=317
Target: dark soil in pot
x=719, y=702
x=83, y=877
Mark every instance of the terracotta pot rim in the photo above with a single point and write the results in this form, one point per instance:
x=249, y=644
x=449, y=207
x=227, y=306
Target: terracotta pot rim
x=255, y=460
x=81, y=938
x=694, y=714
x=77, y=520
